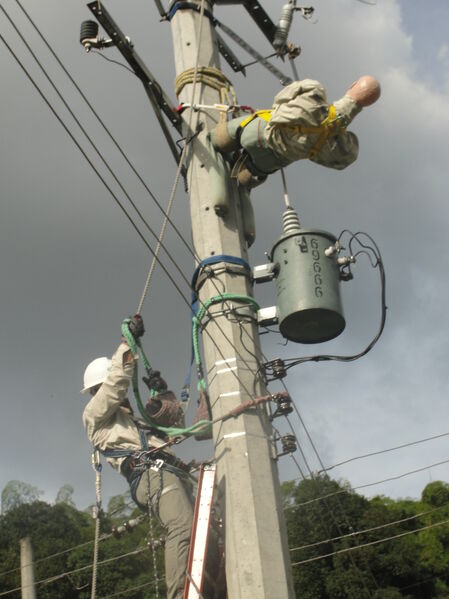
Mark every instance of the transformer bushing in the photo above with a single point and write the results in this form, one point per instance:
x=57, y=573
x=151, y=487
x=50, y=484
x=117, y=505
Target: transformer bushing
x=309, y=307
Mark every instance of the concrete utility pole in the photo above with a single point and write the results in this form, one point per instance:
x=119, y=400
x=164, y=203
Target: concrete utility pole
x=257, y=556
x=27, y=569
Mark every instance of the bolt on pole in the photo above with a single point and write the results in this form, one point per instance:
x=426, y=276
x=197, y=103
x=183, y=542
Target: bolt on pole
x=256, y=550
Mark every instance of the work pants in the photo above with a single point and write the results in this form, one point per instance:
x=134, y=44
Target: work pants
x=171, y=502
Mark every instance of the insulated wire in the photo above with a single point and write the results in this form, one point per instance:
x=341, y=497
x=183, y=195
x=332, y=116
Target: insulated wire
x=186, y=301
x=385, y=480
x=140, y=586
x=346, y=549
x=373, y=453
x=192, y=251
x=155, y=235
x=105, y=128
x=179, y=169
x=119, y=203
x=64, y=574
x=311, y=473
x=362, y=532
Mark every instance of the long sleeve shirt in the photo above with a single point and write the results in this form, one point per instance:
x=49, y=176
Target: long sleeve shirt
x=108, y=423
x=305, y=103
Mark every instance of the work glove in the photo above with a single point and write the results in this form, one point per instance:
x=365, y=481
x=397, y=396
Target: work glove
x=165, y=410
x=155, y=382
x=136, y=327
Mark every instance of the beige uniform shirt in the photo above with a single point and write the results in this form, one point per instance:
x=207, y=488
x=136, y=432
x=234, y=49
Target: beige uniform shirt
x=305, y=103
x=108, y=424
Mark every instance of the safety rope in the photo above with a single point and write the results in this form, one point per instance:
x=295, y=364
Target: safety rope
x=178, y=172
x=211, y=77
x=151, y=532
x=136, y=348
x=96, y=465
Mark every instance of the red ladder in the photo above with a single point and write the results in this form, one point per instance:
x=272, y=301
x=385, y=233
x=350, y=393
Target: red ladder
x=196, y=570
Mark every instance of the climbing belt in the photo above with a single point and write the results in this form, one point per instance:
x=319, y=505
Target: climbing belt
x=136, y=347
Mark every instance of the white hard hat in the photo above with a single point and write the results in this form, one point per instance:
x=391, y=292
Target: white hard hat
x=96, y=373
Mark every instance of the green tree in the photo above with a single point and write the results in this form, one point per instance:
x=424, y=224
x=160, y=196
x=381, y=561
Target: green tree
x=16, y=492
x=65, y=495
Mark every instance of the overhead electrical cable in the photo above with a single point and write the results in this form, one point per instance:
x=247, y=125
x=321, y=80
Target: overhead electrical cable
x=166, y=216
x=120, y=204
x=347, y=549
x=367, y=530
x=381, y=451
x=105, y=128
x=51, y=579
x=93, y=145
x=385, y=480
x=136, y=588
x=179, y=169
x=116, y=199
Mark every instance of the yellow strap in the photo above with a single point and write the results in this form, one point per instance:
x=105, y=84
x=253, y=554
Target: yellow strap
x=328, y=127
x=264, y=114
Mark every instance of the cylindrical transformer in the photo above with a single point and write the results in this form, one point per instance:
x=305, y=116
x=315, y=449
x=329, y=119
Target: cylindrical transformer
x=309, y=307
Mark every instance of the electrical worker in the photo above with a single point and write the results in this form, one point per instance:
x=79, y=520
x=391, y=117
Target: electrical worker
x=301, y=124
x=113, y=430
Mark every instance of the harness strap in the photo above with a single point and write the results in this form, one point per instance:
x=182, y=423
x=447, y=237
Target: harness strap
x=330, y=126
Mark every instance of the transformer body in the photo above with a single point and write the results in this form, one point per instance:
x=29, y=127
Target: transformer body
x=309, y=307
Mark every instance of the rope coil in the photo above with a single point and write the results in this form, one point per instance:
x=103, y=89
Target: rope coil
x=211, y=77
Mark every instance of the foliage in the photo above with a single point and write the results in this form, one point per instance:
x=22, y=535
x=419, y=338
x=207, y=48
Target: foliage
x=65, y=495
x=322, y=517
x=55, y=528
x=413, y=566
x=16, y=492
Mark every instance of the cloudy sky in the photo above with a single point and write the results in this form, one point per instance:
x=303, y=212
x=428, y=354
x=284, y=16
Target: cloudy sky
x=72, y=267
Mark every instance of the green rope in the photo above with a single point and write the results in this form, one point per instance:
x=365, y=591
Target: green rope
x=135, y=346
x=197, y=322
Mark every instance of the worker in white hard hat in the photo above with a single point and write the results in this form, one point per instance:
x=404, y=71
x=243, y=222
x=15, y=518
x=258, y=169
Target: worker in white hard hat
x=112, y=428
x=300, y=125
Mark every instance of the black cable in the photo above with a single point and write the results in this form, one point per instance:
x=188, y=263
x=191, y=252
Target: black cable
x=116, y=199
x=120, y=64
x=109, y=189
x=373, y=453
x=112, y=138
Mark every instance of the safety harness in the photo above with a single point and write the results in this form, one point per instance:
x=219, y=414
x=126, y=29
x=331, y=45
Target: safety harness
x=138, y=461
x=329, y=127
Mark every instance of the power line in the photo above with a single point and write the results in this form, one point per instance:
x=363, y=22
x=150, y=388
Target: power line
x=89, y=139
x=119, y=203
x=108, y=132
x=385, y=480
x=59, y=576
x=116, y=198
x=368, y=455
x=403, y=534
x=361, y=532
x=136, y=588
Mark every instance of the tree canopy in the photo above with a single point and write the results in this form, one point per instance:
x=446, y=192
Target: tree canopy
x=343, y=545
